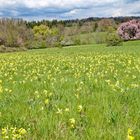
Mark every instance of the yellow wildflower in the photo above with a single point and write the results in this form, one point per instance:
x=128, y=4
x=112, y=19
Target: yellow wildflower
x=22, y=131
x=72, y=123
x=67, y=110
x=59, y=111
x=129, y=135
x=80, y=108
x=46, y=101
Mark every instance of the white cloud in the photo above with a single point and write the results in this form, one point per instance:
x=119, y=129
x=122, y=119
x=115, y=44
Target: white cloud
x=4, y=3
x=117, y=13
x=53, y=3
x=73, y=12
x=65, y=9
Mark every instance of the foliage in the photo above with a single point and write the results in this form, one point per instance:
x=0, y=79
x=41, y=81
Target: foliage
x=41, y=32
x=130, y=30
x=36, y=44
x=14, y=33
x=100, y=37
x=105, y=25
x=52, y=37
x=76, y=40
x=55, y=38
x=22, y=35
x=79, y=22
x=113, y=40
x=67, y=41
x=4, y=49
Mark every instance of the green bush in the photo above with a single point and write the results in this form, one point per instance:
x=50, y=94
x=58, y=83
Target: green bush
x=4, y=49
x=35, y=44
x=77, y=41
x=67, y=41
x=100, y=37
x=113, y=39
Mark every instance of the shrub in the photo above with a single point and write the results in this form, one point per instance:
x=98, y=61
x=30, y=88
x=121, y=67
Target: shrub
x=77, y=41
x=87, y=38
x=130, y=30
x=113, y=39
x=67, y=41
x=35, y=44
x=100, y=37
x=4, y=49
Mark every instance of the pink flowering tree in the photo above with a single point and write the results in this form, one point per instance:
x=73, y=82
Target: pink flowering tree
x=130, y=30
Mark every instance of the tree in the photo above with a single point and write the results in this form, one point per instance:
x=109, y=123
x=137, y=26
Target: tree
x=41, y=32
x=130, y=30
x=113, y=39
x=106, y=25
x=14, y=33
x=48, y=37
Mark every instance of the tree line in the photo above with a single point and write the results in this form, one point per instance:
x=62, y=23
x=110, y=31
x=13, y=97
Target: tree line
x=17, y=34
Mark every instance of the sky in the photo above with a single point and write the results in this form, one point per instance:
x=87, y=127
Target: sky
x=68, y=9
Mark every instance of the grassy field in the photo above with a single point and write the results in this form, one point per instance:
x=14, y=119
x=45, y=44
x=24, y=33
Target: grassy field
x=84, y=92
x=89, y=38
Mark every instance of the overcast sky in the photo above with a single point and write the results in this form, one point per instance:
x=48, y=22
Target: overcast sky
x=68, y=9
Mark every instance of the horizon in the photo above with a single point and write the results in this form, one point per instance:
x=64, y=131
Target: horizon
x=33, y=10
x=58, y=20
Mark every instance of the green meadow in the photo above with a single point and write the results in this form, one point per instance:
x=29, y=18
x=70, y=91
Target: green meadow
x=87, y=92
